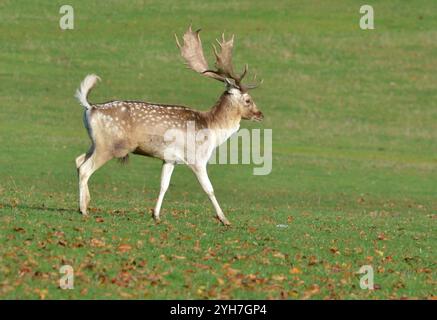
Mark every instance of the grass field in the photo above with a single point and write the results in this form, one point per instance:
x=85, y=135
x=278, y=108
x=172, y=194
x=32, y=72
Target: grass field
x=354, y=179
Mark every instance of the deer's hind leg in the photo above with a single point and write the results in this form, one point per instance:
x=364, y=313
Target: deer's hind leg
x=167, y=170
x=91, y=162
x=79, y=161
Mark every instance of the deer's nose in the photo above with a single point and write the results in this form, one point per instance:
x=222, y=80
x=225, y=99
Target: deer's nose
x=258, y=116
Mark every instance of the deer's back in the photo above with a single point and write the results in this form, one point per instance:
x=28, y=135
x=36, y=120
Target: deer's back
x=140, y=127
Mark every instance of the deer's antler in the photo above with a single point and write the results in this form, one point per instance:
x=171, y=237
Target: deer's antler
x=192, y=52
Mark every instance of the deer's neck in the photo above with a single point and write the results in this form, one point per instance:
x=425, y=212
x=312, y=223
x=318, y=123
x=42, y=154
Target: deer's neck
x=223, y=115
x=223, y=118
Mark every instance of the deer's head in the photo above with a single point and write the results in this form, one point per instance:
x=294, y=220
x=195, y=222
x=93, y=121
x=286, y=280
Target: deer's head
x=236, y=92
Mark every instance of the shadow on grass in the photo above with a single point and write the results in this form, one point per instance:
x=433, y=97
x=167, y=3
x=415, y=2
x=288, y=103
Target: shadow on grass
x=38, y=208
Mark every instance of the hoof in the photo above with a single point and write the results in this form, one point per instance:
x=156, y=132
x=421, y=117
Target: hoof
x=157, y=219
x=225, y=222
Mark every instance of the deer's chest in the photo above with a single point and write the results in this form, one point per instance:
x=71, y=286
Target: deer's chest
x=223, y=134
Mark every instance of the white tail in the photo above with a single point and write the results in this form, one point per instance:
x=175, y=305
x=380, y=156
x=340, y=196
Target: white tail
x=85, y=87
x=118, y=128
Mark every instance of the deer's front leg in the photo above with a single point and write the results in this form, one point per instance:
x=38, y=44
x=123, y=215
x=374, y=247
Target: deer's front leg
x=202, y=176
x=167, y=170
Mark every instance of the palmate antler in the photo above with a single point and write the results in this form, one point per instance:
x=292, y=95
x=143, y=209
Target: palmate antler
x=192, y=52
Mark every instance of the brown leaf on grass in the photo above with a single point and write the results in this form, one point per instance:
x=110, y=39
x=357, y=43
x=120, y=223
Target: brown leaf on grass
x=124, y=248
x=334, y=250
x=251, y=230
x=229, y=271
x=279, y=255
x=97, y=243
x=59, y=234
x=382, y=236
x=78, y=244
x=164, y=258
x=388, y=259
x=424, y=270
x=42, y=294
x=212, y=293
x=201, y=266
x=290, y=219
x=295, y=270
x=126, y=295
x=178, y=257
x=154, y=278
x=62, y=243
x=313, y=261
x=100, y=220
x=24, y=270
x=314, y=289
x=279, y=277
x=19, y=229
x=122, y=279
x=42, y=244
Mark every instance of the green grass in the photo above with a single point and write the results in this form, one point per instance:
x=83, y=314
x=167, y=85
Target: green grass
x=354, y=119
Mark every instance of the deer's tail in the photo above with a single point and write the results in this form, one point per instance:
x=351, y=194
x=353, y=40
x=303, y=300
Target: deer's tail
x=85, y=87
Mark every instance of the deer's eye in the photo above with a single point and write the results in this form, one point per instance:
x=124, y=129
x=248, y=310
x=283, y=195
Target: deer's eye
x=247, y=101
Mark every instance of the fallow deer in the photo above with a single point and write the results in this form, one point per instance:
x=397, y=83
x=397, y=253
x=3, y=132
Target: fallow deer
x=118, y=128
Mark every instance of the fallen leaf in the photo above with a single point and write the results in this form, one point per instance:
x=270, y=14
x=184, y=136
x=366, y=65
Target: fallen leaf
x=179, y=257
x=97, y=243
x=382, y=236
x=334, y=250
x=295, y=270
x=279, y=277
x=279, y=255
x=124, y=247
x=314, y=289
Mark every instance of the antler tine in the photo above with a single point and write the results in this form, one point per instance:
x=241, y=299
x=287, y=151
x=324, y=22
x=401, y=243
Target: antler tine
x=224, y=57
x=252, y=85
x=243, y=74
x=192, y=52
